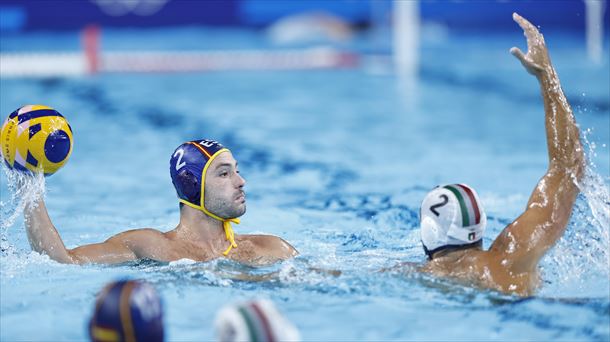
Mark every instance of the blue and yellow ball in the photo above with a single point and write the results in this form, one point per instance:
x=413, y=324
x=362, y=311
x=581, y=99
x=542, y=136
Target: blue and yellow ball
x=36, y=138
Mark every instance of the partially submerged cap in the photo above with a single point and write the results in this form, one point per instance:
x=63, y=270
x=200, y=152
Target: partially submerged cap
x=252, y=321
x=127, y=310
x=451, y=216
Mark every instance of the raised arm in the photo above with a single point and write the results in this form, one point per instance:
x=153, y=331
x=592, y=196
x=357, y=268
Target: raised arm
x=44, y=238
x=42, y=234
x=523, y=243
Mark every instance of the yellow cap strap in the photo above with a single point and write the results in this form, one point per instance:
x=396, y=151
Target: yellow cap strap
x=226, y=224
x=104, y=334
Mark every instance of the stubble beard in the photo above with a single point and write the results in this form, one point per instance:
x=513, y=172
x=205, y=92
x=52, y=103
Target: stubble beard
x=226, y=209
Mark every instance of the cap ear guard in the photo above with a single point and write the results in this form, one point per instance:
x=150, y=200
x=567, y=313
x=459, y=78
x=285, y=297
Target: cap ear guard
x=430, y=231
x=188, y=186
x=468, y=234
x=187, y=169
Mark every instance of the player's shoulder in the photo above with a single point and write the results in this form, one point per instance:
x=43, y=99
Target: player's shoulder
x=261, y=240
x=141, y=235
x=268, y=242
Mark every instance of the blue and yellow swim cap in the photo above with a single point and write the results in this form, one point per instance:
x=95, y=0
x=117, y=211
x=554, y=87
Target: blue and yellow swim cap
x=127, y=310
x=187, y=167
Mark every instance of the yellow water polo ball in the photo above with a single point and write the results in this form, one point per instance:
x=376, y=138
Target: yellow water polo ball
x=36, y=138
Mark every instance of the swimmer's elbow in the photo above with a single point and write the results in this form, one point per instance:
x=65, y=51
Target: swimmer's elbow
x=572, y=165
x=63, y=258
x=77, y=257
x=56, y=252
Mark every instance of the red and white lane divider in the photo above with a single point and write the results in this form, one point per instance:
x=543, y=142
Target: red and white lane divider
x=91, y=61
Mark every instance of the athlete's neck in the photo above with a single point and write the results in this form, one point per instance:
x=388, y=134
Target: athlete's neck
x=198, y=227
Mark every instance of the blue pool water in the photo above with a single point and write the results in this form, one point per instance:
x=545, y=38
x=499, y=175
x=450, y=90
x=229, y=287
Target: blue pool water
x=337, y=163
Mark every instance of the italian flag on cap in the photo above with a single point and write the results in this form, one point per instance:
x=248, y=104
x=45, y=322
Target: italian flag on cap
x=471, y=213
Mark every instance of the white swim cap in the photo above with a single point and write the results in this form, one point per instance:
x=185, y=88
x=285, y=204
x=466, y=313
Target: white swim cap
x=451, y=215
x=254, y=321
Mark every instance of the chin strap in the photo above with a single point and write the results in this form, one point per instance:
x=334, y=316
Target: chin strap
x=226, y=224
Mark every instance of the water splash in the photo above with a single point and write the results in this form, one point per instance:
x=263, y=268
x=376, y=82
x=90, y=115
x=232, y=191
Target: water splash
x=23, y=188
x=596, y=223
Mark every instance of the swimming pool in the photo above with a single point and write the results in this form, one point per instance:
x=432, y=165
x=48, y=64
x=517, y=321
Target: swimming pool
x=337, y=163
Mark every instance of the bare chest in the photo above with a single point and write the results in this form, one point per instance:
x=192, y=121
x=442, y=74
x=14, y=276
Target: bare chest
x=246, y=252
x=177, y=249
x=250, y=253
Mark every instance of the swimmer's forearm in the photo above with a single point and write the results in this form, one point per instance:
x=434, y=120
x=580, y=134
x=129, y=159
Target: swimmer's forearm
x=42, y=235
x=564, y=147
x=565, y=152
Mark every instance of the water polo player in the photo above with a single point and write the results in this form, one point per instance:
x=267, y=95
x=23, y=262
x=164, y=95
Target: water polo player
x=210, y=190
x=453, y=220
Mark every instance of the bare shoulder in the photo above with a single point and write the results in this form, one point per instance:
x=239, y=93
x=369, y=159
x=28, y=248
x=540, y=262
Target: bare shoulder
x=141, y=241
x=271, y=244
x=484, y=269
x=264, y=240
x=153, y=244
x=139, y=234
x=125, y=246
x=462, y=264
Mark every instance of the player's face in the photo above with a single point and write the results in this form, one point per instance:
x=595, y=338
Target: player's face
x=224, y=193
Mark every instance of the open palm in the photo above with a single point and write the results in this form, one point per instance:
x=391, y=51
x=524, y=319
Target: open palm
x=537, y=58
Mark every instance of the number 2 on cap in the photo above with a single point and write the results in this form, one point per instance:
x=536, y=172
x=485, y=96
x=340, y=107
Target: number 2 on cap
x=179, y=163
x=438, y=205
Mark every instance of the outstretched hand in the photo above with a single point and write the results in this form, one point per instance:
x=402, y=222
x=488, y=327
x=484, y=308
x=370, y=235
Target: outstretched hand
x=537, y=59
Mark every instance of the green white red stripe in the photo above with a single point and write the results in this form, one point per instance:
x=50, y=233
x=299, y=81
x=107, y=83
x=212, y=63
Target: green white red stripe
x=471, y=213
x=259, y=327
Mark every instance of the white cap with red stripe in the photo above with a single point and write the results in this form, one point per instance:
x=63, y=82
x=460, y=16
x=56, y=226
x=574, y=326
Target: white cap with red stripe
x=254, y=321
x=451, y=215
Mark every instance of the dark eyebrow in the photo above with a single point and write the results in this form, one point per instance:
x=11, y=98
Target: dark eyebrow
x=223, y=165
